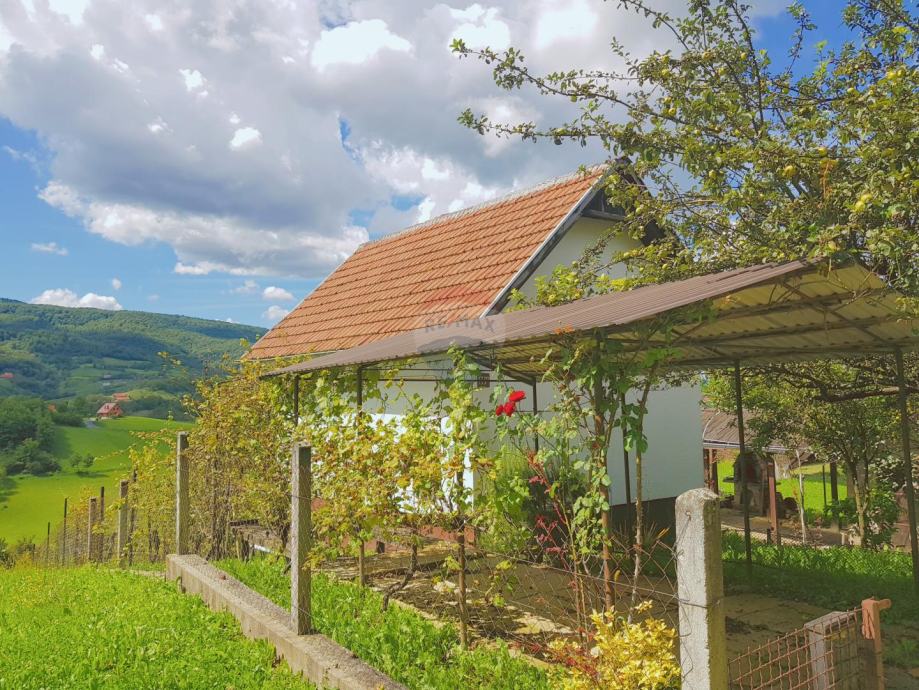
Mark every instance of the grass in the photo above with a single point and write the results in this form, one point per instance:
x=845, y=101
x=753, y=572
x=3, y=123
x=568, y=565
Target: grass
x=836, y=577
x=813, y=484
x=398, y=642
x=100, y=628
x=28, y=503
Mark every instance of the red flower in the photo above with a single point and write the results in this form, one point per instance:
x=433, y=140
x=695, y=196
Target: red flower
x=509, y=408
x=516, y=396
x=499, y=410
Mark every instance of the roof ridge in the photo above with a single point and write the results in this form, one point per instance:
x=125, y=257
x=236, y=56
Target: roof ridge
x=481, y=206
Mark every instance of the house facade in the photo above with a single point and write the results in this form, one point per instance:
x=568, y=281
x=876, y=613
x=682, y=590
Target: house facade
x=466, y=265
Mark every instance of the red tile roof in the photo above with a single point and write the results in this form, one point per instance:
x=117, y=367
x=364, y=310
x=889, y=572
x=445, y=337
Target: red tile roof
x=448, y=269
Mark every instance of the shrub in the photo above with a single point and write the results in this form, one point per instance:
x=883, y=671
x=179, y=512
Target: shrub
x=626, y=655
x=397, y=641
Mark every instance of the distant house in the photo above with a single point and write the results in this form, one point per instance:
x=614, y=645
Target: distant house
x=52, y=408
x=6, y=375
x=120, y=397
x=110, y=410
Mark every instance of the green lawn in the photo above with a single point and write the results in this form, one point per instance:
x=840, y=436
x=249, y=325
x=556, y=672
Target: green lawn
x=100, y=628
x=28, y=503
x=813, y=484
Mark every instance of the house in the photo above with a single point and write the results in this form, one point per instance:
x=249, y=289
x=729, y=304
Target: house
x=7, y=375
x=466, y=265
x=120, y=397
x=109, y=410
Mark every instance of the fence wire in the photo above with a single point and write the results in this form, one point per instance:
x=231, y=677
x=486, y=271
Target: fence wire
x=822, y=655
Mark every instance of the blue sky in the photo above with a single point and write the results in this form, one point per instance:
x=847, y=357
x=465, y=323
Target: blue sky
x=141, y=170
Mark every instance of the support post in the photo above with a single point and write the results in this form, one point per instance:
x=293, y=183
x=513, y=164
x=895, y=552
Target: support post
x=182, y=493
x=535, y=418
x=627, y=479
x=123, y=513
x=296, y=400
x=64, y=536
x=773, y=501
x=834, y=492
x=90, y=536
x=461, y=561
x=713, y=469
x=700, y=587
x=907, y=466
x=361, y=548
x=48, y=546
x=742, y=459
x=301, y=539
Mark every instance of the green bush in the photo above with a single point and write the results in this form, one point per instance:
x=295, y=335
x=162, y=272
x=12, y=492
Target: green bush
x=398, y=642
x=835, y=577
x=96, y=628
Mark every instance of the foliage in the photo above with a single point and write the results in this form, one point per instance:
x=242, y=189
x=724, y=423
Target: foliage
x=752, y=156
x=858, y=433
x=81, y=462
x=94, y=628
x=626, y=655
x=6, y=556
x=846, y=575
x=881, y=516
x=56, y=352
x=26, y=434
x=397, y=641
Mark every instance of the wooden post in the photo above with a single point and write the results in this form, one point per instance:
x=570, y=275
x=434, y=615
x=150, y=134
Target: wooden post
x=713, y=464
x=834, y=492
x=182, y=493
x=123, y=512
x=773, y=501
x=535, y=418
x=301, y=539
x=461, y=560
x=907, y=467
x=742, y=459
x=90, y=536
x=823, y=477
x=64, y=536
x=48, y=546
x=627, y=479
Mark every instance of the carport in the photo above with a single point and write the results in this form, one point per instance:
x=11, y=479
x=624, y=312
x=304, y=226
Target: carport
x=791, y=312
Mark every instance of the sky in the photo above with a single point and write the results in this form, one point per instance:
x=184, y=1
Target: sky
x=218, y=158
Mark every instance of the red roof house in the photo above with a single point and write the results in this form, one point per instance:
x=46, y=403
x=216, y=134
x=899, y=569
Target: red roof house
x=109, y=410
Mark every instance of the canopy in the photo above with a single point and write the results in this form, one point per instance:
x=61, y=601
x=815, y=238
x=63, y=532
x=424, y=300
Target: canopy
x=773, y=312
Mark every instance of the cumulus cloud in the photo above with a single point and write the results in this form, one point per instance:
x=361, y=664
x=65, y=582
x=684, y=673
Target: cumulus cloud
x=354, y=43
x=245, y=135
x=63, y=297
x=247, y=288
x=116, y=284
x=274, y=313
x=276, y=294
x=49, y=248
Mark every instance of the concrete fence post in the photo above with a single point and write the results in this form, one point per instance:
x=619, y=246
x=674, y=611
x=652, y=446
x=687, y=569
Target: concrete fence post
x=700, y=587
x=123, y=513
x=182, y=493
x=90, y=531
x=301, y=539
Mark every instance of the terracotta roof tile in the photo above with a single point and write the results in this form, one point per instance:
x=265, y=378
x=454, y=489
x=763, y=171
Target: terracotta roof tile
x=447, y=269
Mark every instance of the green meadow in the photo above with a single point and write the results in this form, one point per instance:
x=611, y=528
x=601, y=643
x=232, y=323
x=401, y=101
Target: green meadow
x=28, y=503
x=813, y=484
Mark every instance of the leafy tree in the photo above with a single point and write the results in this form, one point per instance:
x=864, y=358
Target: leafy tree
x=81, y=464
x=29, y=457
x=751, y=157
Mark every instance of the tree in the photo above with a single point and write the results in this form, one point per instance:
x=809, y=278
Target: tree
x=81, y=463
x=751, y=157
x=859, y=433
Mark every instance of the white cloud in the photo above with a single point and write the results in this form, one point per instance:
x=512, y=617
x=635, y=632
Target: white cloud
x=153, y=298
x=229, y=320
x=482, y=27
x=274, y=313
x=116, y=284
x=63, y=297
x=563, y=21
x=276, y=294
x=49, y=248
x=194, y=80
x=154, y=22
x=355, y=42
x=244, y=137
x=97, y=51
x=247, y=288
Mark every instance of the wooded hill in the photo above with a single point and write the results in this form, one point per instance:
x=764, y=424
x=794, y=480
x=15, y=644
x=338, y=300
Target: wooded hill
x=58, y=352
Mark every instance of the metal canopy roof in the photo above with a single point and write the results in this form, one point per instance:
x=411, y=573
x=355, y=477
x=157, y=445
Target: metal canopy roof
x=773, y=312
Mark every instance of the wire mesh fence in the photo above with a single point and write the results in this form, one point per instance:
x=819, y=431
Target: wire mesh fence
x=822, y=655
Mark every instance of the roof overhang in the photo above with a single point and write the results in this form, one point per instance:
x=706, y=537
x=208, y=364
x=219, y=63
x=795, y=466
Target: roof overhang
x=774, y=312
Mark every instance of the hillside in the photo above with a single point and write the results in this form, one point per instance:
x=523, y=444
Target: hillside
x=58, y=352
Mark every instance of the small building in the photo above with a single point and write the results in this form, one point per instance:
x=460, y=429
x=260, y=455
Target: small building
x=120, y=397
x=469, y=264
x=109, y=410
x=7, y=375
